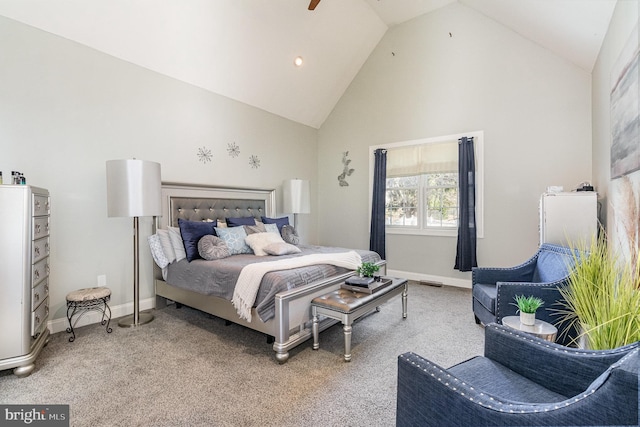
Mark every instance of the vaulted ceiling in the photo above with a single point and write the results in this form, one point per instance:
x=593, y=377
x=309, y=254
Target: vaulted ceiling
x=245, y=49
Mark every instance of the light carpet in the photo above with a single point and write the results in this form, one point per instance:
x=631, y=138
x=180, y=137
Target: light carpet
x=186, y=368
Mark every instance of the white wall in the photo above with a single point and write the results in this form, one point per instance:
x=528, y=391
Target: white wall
x=449, y=72
x=66, y=109
x=625, y=18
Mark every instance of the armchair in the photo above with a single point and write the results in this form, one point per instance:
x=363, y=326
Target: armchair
x=494, y=289
x=521, y=380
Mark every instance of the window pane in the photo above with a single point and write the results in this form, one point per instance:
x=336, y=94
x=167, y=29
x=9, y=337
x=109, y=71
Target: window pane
x=401, y=207
x=441, y=196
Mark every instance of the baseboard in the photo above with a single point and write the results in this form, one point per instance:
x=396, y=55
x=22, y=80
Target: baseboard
x=94, y=316
x=429, y=278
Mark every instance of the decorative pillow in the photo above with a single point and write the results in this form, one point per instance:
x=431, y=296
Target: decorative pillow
x=290, y=235
x=212, y=247
x=258, y=228
x=258, y=241
x=157, y=252
x=234, y=239
x=176, y=242
x=167, y=248
x=277, y=221
x=271, y=228
x=246, y=220
x=192, y=232
x=281, y=249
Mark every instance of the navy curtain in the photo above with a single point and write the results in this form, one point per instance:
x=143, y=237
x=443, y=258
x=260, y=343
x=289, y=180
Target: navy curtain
x=466, y=250
x=377, y=236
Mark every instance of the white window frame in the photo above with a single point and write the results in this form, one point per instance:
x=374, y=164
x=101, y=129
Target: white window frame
x=478, y=143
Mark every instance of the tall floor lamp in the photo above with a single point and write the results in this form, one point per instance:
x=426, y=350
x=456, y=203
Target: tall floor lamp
x=295, y=197
x=134, y=190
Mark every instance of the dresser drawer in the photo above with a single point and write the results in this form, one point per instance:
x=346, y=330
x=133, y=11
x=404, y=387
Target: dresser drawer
x=39, y=317
x=39, y=271
x=40, y=205
x=40, y=249
x=39, y=293
x=40, y=227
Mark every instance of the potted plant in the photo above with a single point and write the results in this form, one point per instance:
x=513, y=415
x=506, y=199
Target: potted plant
x=367, y=269
x=527, y=306
x=602, y=298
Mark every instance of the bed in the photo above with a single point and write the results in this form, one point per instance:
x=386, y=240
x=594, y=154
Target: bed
x=282, y=312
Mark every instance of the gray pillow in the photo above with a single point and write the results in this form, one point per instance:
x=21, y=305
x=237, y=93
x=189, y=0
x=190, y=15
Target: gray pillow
x=290, y=235
x=212, y=247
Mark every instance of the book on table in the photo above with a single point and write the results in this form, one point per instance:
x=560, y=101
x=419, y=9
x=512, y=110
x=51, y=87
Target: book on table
x=370, y=288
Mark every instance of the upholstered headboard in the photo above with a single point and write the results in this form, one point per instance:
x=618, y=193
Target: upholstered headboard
x=202, y=203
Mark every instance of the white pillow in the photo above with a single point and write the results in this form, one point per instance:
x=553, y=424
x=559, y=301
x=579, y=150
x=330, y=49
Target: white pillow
x=257, y=241
x=156, y=251
x=281, y=249
x=177, y=243
x=167, y=248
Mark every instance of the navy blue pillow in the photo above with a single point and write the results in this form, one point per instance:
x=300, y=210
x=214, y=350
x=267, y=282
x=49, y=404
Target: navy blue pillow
x=280, y=222
x=192, y=232
x=236, y=222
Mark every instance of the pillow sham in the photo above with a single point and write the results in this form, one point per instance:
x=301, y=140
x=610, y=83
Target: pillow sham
x=212, y=247
x=290, y=235
x=176, y=243
x=167, y=248
x=258, y=241
x=282, y=248
x=192, y=232
x=277, y=221
x=245, y=220
x=156, y=251
x=271, y=228
x=234, y=239
x=251, y=229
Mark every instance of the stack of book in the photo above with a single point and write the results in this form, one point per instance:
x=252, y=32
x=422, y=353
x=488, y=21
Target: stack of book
x=366, y=285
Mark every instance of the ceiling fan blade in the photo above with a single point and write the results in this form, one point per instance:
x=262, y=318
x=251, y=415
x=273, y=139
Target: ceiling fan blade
x=313, y=4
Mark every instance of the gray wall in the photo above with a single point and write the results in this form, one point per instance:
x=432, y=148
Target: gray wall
x=449, y=72
x=65, y=109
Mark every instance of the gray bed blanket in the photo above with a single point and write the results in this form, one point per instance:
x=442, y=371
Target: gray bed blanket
x=220, y=276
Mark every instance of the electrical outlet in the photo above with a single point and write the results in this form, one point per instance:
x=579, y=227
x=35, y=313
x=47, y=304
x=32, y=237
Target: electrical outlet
x=102, y=280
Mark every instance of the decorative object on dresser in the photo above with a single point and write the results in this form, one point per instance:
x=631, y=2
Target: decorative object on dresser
x=24, y=276
x=295, y=198
x=133, y=190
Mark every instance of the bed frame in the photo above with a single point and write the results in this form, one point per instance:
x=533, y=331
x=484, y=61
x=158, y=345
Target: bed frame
x=292, y=322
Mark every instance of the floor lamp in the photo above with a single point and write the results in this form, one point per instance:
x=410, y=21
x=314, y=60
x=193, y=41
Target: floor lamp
x=295, y=198
x=134, y=190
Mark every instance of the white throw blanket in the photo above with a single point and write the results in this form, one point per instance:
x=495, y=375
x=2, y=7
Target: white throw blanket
x=246, y=290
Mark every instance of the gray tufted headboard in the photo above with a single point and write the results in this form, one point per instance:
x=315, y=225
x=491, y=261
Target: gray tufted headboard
x=201, y=203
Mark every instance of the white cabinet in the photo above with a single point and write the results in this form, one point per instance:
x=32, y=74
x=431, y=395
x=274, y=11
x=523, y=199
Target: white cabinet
x=568, y=218
x=24, y=275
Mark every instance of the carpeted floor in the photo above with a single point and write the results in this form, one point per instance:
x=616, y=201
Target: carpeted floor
x=187, y=368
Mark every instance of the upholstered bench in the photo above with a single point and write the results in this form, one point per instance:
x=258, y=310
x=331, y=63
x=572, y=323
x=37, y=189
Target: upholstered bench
x=84, y=300
x=348, y=306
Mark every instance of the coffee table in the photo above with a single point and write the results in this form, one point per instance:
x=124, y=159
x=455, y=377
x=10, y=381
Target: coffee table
x=347, y=306
x=541, y=328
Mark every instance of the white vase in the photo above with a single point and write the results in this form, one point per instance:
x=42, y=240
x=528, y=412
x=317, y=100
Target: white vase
x=528, y=318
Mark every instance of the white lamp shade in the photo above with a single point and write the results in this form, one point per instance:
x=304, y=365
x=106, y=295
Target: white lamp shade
x=295, y=196
x=133, y=188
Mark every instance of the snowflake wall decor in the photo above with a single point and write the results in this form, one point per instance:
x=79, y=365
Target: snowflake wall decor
x=233, y=149
x=204, y=154
x=254, y=161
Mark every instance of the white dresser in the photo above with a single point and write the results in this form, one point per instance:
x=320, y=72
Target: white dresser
x=24, y=276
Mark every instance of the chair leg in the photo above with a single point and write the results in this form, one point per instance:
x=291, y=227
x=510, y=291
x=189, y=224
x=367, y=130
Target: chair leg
x=477, y=320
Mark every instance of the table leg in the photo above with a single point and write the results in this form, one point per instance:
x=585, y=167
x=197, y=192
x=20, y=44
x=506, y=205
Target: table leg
x=314, y=328
x=347, y=343
x=404, y=301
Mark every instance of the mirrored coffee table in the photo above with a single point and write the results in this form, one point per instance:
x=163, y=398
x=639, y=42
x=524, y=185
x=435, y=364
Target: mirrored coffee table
x=541, y=329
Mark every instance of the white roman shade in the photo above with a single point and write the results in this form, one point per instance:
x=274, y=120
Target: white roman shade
x=424, y=158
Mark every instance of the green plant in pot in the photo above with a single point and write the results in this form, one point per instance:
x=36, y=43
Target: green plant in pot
x=527, y=306
x=602, y=298
x=367, y=269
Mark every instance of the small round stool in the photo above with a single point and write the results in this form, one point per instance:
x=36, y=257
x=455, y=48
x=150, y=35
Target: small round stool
x=84, y=300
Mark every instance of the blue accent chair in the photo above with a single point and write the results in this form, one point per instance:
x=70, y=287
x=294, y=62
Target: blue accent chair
x=494, y=289
x=521, y=380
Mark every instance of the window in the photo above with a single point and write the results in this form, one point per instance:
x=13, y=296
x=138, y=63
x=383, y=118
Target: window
x=422, y=186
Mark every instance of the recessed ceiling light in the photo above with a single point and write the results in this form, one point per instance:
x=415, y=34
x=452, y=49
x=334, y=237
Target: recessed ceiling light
x=298, y=61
